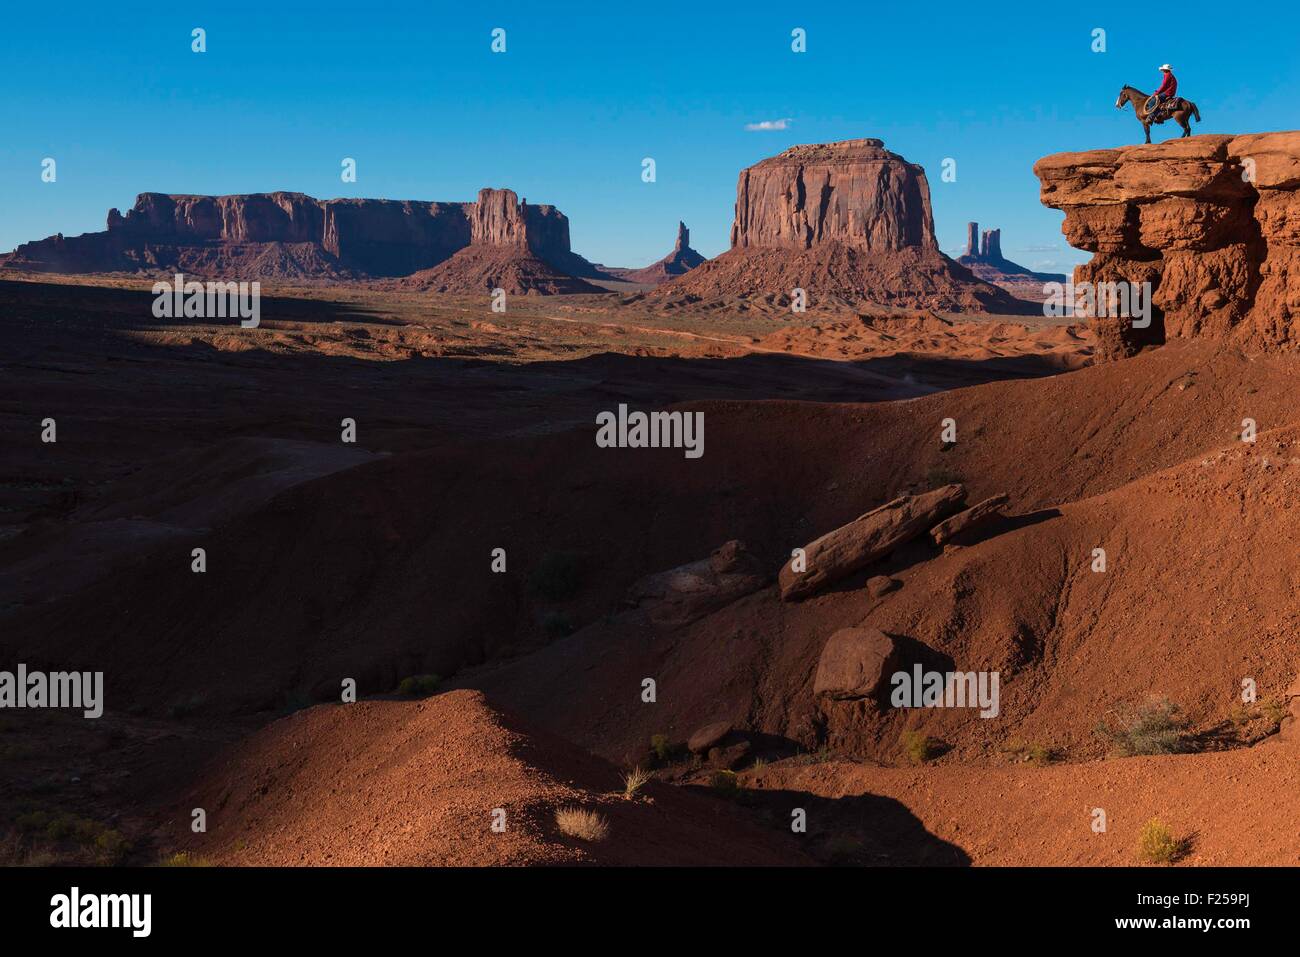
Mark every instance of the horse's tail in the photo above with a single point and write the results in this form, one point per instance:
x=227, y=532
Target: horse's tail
x=1195, y=111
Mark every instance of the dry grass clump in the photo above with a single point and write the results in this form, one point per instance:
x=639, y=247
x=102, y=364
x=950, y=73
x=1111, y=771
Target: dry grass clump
x=1157, y=844
x=1157, y=727
x=580, y=823
x=634, y=781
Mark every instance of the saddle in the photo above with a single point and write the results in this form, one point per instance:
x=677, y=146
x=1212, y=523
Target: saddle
x=1167, y=109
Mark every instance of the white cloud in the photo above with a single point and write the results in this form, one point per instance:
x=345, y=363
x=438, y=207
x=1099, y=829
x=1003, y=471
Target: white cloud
x=764, y=125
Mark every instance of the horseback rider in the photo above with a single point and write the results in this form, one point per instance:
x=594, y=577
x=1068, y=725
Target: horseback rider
x=1168, y=87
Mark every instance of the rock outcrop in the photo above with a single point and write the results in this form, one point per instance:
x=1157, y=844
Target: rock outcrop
x=292, y=235
x=683, y=594
x=866, y=539
x=1212, y=222
x=984, y=258
x=849, y=223
x=978, y=514
x=677, y=263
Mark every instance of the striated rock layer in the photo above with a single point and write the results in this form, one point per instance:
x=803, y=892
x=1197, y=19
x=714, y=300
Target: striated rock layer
x=1212, y=222
x=850, y=223
x=292, y=235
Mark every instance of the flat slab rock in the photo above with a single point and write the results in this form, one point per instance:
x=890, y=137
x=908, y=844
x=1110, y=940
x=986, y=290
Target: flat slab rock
x=855, y=663
x=972, y=517
x=708, y=736
x=868, y=538
x=691, y=591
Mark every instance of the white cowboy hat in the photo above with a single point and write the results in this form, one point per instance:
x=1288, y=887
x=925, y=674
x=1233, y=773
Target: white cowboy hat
x=1167, y=67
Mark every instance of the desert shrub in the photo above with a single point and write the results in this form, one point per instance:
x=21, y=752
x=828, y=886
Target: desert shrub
x=582, y=824
x=1034, y=752
x=634, y=781
x=184, y=859
x=422, y=685
x=822, y=754
x=662, y=748
x=1157, y=844
x=1274, y=711
x=920, y=747
x=1156, y=727
x=725, y=782
x=557, y=576
x=111, y=847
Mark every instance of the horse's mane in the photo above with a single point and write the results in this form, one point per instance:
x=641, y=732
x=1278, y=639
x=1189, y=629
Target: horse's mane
x=1133, y=88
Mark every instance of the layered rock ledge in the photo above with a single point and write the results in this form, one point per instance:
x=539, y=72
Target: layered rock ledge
x=1212, y=222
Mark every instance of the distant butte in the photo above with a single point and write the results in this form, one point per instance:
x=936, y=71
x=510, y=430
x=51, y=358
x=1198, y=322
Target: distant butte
x=680, y=261
x=850, y=223
x=519, y=246
x=984, y=258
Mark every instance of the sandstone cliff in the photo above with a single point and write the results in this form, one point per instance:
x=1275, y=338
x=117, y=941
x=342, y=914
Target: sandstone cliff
x=283, y=234
x=1212, y=222
x=850, y=223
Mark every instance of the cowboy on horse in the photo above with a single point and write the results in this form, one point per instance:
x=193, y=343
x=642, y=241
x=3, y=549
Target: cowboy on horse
x=1168, y=87
x=1161, y=105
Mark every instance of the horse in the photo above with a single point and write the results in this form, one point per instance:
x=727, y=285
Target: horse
x=1182, y=110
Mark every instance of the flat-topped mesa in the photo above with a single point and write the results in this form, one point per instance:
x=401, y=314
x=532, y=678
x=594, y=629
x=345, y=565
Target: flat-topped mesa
x=854, y=192
x=335, y=238
x=1211, y=221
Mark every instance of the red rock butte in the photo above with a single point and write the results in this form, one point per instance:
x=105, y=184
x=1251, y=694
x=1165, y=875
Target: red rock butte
x=848, y=222
x=292, y=235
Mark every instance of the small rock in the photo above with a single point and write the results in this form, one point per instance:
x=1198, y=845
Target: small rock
x=855, y=663
x=708, y=736
x=879, y=585
x=729, y=757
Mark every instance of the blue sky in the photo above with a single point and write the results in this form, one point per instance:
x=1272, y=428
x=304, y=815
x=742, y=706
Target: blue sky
x=585, y=91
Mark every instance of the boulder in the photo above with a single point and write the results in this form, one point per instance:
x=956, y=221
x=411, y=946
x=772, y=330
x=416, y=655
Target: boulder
x=708, y=736
x=688, y=592
x=868, y=538
x=855, y=663
x=879, y=585
x=972, y=517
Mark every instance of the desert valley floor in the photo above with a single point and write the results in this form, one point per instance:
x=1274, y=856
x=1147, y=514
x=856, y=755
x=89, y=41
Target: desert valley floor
x=372, y=560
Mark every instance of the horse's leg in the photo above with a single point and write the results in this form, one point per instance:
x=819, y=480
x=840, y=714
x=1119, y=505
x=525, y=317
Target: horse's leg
x=1187, y=127
x=1146, y=127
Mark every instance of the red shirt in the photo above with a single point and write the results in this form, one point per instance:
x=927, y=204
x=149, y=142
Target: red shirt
x=1169, y=86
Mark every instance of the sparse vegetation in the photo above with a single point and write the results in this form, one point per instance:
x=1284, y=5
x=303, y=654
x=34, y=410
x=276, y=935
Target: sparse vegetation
x=557, y=576
x=1274, y=710
x=102, y=843
x=1156, y=727
x=1035, y=753
x=920, y=747
x=422, y=685
x=184, y=859
x=580, y=823
x=661, y=747
x=824, y=753
x=634, y=781
x=1157, y=844
x=725, y=782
